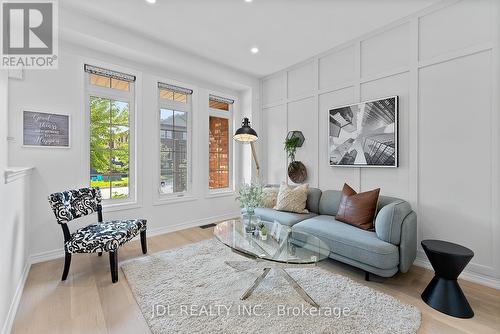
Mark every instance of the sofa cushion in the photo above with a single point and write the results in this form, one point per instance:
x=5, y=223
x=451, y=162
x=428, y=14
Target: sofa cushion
x=313, y=197
x=285, y=218
x=390, y=219
x=292, y=199
x=270, y=196
x=104, y=237
x=358, y=209
x=329, y=202
x=351, y=242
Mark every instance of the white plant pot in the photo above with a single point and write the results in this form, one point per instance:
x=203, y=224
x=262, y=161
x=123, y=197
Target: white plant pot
x=262, y=236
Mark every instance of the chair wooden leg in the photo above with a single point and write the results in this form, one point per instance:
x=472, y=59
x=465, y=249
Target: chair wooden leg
x=367, y=276
x=113, y=265
x=67, y=263
x=99, y=254
x=144, y=242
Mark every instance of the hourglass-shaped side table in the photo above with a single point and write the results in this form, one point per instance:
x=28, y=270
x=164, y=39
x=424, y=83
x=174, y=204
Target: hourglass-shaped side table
x=443, y=292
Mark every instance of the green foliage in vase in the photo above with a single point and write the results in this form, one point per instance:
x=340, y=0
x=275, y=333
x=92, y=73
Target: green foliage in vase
x=291, y=145
x=250, y=195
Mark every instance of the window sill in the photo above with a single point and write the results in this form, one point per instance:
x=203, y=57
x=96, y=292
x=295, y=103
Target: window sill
x=111, y=207
x=165, y=200
x=220, y=193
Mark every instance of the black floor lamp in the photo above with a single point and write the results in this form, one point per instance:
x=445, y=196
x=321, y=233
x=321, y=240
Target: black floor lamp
x=246, y=134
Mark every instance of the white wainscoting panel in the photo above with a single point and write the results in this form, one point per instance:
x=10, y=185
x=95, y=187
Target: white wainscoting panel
x=274, y=89
x=386, y=51
x=443, y=64
x=455, y=154
x=333, y=177
x=303, y=116
x=455, y=27
x=337, y=68
x=395, y=181
x=301, y=80
x=274, y=126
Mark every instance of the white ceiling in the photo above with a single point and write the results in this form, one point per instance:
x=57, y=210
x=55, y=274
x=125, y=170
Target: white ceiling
x=285, y=31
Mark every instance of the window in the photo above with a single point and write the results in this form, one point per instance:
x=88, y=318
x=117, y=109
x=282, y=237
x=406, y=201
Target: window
x=219, y=157
x=174, y=120
x=110, y=101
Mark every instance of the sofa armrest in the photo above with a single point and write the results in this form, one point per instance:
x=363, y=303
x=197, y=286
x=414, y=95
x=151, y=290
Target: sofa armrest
x=390, y=219
x=408, y=246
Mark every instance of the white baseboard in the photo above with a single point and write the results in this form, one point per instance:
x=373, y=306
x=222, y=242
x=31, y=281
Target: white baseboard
x=465, y=275
x=11, y=315
x=190, y=224
x=59, y=253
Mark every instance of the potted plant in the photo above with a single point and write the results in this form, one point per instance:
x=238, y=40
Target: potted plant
x=251, y=196
x=263, y=233
x=296, y=169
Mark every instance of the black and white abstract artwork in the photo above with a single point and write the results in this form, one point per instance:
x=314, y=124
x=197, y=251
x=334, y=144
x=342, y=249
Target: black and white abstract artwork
x=364, y=134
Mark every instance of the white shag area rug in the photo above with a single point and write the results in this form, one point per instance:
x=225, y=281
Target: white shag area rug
x=192, y=290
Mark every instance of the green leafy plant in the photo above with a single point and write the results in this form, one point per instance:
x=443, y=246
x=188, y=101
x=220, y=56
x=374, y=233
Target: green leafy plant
x=263, y=231
x=251, y=196
x=291, y=145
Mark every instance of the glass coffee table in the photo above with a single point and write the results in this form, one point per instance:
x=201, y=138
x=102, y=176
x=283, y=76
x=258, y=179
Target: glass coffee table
x=283, y=248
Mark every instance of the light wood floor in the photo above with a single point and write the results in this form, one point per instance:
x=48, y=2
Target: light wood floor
x=89, y=303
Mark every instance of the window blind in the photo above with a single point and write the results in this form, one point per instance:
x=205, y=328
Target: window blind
x=221, y=99
x=109, y=73
x=176, y=89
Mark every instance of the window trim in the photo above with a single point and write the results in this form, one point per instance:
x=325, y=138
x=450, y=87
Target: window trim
x=134, y=199
x=160, y=198
x=229, y=115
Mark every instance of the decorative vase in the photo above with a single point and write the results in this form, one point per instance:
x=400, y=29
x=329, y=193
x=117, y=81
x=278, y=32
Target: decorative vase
x=250, y=220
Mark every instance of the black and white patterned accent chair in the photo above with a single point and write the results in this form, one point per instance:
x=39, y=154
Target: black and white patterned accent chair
x=105, y=236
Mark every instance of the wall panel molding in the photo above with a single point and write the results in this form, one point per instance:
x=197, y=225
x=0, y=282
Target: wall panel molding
x=485, y=266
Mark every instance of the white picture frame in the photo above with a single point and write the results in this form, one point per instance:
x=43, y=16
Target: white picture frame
x=364, y=134
x=276, y=231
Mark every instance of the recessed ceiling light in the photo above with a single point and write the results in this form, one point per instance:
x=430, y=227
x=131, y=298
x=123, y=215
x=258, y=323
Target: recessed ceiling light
x=151, y=1
x=254, y=50
x=248, y=0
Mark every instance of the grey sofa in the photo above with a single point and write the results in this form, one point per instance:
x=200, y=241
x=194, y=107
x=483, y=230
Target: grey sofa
x=391, y=248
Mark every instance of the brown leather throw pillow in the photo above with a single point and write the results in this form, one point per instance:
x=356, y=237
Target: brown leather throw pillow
x=358, y=209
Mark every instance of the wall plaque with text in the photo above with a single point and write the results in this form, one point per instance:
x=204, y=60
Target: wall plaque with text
x=44, y=129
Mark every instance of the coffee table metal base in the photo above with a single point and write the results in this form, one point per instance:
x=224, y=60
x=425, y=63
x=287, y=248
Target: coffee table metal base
x=243, y=265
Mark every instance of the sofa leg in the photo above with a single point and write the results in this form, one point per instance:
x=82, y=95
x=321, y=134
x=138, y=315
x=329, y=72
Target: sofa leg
x=99, y=254
x=367, y=276
x=144, y=242
x=113, y=265
x=67, y=263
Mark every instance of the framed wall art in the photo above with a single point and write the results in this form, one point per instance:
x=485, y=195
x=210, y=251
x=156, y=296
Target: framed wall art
x=45, y=130
x=364, y=134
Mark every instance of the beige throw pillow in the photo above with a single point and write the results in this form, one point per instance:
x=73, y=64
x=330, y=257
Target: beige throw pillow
x=292, y=199
x=270, y=196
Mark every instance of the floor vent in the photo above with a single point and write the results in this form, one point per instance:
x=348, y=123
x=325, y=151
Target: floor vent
x=207, y=226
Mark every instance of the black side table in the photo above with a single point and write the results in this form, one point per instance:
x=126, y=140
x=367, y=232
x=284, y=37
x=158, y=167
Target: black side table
x=443, y=292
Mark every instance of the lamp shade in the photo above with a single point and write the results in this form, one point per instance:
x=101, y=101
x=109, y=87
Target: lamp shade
x=245, y=134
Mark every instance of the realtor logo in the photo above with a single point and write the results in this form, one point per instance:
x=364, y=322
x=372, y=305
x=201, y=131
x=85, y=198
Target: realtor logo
x=29, y=34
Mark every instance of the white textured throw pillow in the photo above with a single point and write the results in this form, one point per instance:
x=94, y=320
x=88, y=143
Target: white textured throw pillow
x=270, y=196
x=292, y=199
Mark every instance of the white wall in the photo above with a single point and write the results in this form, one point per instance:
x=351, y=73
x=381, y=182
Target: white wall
x=62, y=91
x=4, y=85
x=14, y=236
x=443, y=63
